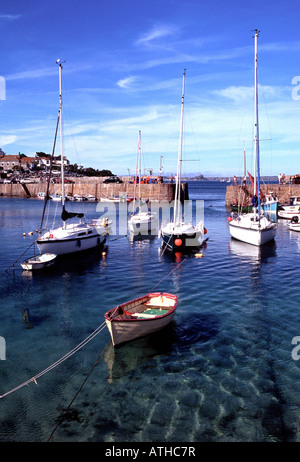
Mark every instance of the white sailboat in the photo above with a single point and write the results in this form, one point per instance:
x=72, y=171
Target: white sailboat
x=254, y=228
x=288, y=211
x=141, y=222
x=176, y=234
x=70, y=237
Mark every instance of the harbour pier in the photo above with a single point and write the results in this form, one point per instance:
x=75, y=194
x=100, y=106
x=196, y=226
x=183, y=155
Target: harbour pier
x=242, y=194
x=95, y=187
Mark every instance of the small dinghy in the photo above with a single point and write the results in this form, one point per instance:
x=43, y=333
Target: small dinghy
x=140, y=317
x=39, y=262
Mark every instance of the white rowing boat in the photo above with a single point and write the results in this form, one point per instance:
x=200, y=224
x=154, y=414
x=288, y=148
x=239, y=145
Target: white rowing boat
x=39, y=262
x=142, y=316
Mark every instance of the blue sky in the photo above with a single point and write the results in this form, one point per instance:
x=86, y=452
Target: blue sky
x=123, y=73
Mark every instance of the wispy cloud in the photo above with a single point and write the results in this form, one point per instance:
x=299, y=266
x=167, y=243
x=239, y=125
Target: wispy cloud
x=7, y=139
x=242, y=93
x=127, y=83
x=157, y=32
x=234, y=93
x=32, y=74
x=280, y=46
x=10, y=17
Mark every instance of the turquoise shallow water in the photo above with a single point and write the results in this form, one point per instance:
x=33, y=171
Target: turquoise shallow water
x=223, y=371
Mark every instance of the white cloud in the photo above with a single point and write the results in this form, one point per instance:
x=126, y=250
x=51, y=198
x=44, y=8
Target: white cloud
x=10, y=17
x=235, y=93
x=32, y=74
x=127, y=82
x=7, y=139
x=157, y=32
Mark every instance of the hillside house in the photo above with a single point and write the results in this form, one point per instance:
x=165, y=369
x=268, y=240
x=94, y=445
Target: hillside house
x=44, y=160
x=9, y=162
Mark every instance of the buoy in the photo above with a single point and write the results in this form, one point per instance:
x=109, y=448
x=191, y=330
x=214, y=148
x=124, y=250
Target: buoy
x=24, y=234
x=229, y=218
x=103, y=254
x=30, y=233
x=178, y=256
x=199, y=255
x=205, y=231
x=178, y=242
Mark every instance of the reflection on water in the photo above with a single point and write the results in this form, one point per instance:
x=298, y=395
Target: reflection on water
x=141, y=239
x=176, y=337
x=221, y=371
x=252, y=253
x=120, y=361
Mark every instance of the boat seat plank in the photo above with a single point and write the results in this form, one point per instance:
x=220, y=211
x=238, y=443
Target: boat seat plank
x=152, y=313
x=156, y=311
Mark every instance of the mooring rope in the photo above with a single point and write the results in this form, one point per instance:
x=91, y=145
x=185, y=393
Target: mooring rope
x=95, y=364
x=59, y=361
x=78, y=347
x=176, y=267
x=20, y=256
x=77, y=393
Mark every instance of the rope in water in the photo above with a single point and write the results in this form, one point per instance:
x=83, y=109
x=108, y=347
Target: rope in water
x=77, y=393
x=93, y=367
x=77, y=348
x=13, y=264
x=58, y=362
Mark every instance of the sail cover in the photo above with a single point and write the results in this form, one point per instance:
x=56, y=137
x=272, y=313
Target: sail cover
x=67, y=215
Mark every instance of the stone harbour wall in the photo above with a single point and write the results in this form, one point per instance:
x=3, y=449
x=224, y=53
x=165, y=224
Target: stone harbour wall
x=151, y=191
x=241, y=194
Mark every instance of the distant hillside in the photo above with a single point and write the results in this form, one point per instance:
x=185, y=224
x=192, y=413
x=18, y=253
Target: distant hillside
x=267, y=179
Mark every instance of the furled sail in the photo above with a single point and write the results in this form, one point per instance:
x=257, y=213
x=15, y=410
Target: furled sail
x=67, y=215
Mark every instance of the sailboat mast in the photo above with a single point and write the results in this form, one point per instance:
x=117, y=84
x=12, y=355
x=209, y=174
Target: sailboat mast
x=61, y=137
x=179, y=159
x=139, y=171
x=256, y=131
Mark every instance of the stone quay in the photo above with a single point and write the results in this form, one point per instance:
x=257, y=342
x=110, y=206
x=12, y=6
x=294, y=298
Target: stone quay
x=242, y=194
x=95, y=187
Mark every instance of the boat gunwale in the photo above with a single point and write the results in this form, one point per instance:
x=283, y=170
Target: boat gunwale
x=38, y=258
x=144, y=297
x=268, y=228
x=57, y=240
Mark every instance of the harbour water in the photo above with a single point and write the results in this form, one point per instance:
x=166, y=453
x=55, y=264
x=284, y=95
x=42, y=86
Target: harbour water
x=223, y=371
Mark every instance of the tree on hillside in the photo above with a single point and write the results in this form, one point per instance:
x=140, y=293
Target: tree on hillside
x=89, y=171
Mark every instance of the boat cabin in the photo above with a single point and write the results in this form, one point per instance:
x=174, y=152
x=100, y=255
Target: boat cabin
x=295, y=200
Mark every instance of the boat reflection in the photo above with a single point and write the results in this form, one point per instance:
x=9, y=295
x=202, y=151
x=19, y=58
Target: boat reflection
x=252, y=253
x=181, y=255
x=140, y=238
x=121, y=361
x=174, y=339
x=295, y=237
